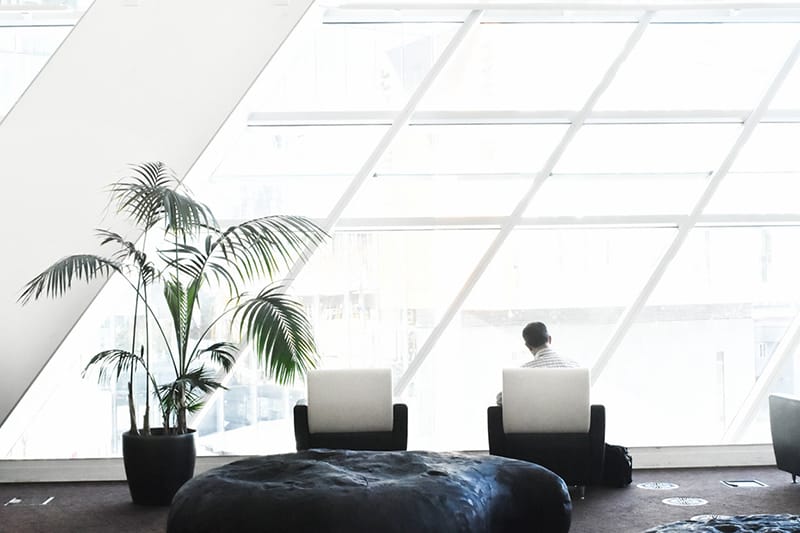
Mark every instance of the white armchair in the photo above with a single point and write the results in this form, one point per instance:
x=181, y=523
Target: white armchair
x=351, y=409
x=546, y=418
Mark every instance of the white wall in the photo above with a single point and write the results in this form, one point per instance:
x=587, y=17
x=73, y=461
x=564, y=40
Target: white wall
x=136, y=80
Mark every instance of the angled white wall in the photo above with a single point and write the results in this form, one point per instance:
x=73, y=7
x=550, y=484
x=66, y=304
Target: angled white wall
x=136, y=80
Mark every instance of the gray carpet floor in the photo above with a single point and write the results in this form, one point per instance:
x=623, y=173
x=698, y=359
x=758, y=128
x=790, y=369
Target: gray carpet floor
x=633, y=509
x=106, y=507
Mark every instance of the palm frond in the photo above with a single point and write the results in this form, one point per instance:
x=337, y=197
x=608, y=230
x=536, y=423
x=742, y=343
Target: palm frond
x=222, y=353
x=185, y=258
x=117, y=360
x=260, y=247
x=127, y=249
x=277, y=327
x=196, y=379
x=57, y=279
x=194, y=405
x=152, y=195
x=170, y=400
x=148, y=271
x=197, y=265
x=177, y=302
x=200, y=378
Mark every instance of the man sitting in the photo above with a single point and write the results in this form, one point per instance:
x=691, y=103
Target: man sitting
x=538, y=340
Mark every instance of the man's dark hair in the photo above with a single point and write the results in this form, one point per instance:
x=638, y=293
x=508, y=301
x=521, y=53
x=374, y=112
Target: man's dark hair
x=535, y=334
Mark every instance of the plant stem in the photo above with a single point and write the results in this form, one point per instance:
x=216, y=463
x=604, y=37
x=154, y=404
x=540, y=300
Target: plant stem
x=145, y=353
x=131, y=410
x=131, y=404
x=182, y=409
x=146, y=421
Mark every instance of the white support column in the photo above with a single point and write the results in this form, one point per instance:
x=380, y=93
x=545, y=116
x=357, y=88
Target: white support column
x=629, y=315
x=518, y=212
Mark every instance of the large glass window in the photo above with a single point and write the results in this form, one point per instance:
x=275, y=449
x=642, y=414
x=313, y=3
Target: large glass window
x=448, y=246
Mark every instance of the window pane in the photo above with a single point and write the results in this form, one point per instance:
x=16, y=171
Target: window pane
x=527, y=66
x=788, y=96
x=470, y=149
x=765, y=177
x=631, y=194
x=757, y=193
x=300, y=150
x=287, y=170
x=454, y=195
x=700, y=66
x=351, y=66
x=455, y=171
x=647, y=148
x=704, y=338
x=771, y=148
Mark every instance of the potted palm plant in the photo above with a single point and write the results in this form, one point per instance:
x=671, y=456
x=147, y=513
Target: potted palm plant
x=195, y=256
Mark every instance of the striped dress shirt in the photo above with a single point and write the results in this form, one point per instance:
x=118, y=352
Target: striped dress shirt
x=548, y=358
x=544, y=358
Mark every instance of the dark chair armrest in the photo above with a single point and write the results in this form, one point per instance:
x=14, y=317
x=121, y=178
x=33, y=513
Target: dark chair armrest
x=400, y=426
x=302, y=436
x=497, y=437
x=597, y=435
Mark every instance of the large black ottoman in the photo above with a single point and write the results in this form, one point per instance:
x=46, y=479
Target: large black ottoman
x=353, y=491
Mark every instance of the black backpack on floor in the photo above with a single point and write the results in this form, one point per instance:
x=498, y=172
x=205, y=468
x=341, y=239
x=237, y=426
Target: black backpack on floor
x=618, y=466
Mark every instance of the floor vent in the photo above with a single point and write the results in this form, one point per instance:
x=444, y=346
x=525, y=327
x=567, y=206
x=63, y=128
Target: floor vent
x=739, y=483
x=685, y=502
x=657, y=485
x=18, y=502
x=709, y=517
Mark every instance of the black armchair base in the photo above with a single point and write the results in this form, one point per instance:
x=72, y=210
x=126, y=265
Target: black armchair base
x=397, y=439
x=577, y=457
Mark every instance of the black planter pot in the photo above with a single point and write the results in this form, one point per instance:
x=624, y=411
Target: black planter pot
x=157, y=465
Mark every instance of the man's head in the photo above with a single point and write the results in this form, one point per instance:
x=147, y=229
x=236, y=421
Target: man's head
x=535, y=335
